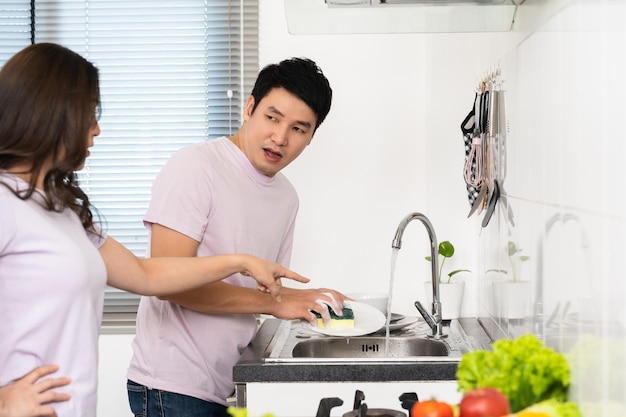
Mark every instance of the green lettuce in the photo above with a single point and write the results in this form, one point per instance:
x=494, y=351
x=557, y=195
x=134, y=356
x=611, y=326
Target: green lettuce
x=523, y=369
x=555, y=408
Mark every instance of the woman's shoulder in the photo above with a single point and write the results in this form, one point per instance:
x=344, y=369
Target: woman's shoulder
x=7, y=191
x=9, y=182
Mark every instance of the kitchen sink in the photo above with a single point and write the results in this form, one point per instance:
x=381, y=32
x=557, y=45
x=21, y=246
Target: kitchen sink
x=369, y=347
x=292, y=341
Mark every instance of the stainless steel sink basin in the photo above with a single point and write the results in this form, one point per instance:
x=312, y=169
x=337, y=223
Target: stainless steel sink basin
x=369, y=347
x=292, y=341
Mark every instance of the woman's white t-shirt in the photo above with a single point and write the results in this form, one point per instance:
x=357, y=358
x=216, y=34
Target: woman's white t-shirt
x=52, y=282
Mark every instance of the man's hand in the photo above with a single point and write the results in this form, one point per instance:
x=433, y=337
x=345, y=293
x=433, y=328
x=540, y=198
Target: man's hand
x=29, y=396
x=298, y=304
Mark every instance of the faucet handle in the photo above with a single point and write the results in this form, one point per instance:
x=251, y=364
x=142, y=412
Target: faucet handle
x=434, y=322
x=427, y=317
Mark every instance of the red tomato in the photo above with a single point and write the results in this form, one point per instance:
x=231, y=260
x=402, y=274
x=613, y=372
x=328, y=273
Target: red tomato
x=431, y=408
x=484, y=402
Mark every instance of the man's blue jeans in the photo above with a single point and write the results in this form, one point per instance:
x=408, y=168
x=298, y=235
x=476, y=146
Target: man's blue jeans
x=146, y=402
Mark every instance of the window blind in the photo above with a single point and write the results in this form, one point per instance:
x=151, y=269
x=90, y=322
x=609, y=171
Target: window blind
x=172, y=73
x=15, y=27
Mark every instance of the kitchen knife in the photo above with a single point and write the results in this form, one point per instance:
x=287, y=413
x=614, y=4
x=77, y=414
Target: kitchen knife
x=478, y=202
x=493, y=200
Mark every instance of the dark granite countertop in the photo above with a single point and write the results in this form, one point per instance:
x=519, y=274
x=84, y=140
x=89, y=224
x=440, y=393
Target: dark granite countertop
x=253, y=367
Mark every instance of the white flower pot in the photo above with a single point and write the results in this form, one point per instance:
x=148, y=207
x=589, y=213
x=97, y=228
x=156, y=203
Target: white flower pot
x=451, y=295
x=511, y=300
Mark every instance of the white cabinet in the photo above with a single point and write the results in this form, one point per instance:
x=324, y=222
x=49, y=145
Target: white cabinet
x=115, y=354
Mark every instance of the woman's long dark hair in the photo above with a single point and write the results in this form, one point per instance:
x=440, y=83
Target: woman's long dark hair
x=49, y=100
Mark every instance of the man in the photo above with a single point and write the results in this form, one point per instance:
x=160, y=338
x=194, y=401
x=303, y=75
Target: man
x=226, y=196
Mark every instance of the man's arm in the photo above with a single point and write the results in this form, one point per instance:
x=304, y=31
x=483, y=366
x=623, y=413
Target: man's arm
x=224, y=298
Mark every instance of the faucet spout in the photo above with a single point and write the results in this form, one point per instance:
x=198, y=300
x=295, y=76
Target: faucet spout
x=433, y=319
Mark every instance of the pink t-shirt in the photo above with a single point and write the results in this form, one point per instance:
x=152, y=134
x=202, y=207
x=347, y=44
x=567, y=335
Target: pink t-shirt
x=52, y=282
x=210, y=192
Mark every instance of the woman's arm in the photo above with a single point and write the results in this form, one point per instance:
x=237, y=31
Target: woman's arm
x=224, y=298
x=162, y=276
x=30, y=397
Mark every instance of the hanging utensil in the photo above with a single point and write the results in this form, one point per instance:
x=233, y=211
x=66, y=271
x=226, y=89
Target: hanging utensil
x=496, y=152
x=493, y=200
x=500, y=152
x=485, y=146
x=472, y=169
x=479, y=201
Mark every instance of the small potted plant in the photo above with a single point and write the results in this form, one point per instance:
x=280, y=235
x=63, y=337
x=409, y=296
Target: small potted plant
x=511, y=297
x=450, y=292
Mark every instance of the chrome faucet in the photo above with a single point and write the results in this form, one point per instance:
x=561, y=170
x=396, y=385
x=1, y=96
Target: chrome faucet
x=539, y=322
x=434, y=320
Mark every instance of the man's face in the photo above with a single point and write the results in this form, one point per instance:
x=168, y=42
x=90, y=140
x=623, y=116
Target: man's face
x=277, y=132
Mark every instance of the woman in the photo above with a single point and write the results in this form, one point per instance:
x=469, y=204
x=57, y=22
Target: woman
x=54, y=260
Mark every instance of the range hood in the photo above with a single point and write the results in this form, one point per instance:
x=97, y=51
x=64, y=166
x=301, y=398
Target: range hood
x=385, y=3
x=308, y=17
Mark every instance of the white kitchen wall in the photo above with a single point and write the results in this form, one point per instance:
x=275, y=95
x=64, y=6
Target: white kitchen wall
x=565, y=184
x=392, y=145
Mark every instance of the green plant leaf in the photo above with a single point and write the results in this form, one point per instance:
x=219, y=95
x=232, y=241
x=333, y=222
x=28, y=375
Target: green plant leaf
x=446, y=249
x=502, y=271
x=456, y=271
x=511, y=248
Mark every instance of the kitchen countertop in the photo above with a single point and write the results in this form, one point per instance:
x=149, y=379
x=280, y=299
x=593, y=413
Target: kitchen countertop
x=253, y=367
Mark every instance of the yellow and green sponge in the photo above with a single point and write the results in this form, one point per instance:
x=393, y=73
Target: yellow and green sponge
x=346, y=320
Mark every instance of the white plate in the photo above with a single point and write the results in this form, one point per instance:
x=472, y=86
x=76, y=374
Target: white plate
x=367, y=319
x=402, y=323
x=396, y=317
